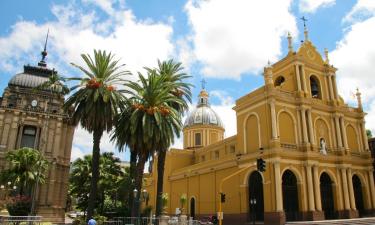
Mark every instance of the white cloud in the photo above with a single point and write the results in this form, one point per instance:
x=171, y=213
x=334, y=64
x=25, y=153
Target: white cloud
x=310, y=6
x=137, y=43
x=354, y=56
x=230, y=38
x=362, y=9
x=76, y=153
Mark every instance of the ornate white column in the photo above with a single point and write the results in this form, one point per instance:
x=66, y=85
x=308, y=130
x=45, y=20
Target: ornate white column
x=364, y=136
x=273, y=120
x=298, y=77
x=351, y=191
x=310, y=188
x=345, y=188
x=338, y=132
x=311, y=129
x=372, y=188
x=304, y=128
x=318, y=201
x=335, y=86
x=303, y=79
x=345, y=137
x=278, y=188
x=331, y=95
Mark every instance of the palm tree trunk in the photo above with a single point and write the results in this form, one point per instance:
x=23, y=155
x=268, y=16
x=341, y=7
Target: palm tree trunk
x=132, y=170
x=138, y=183
x=95, y=173
x=161, y=163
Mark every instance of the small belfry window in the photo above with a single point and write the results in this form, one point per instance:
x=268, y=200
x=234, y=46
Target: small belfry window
x=314, y=86
x=28, y=137
x=279, y=81
x=198, y=139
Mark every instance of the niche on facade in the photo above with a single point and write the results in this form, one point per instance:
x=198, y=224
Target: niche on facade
x=279, y=81
x=315, y=87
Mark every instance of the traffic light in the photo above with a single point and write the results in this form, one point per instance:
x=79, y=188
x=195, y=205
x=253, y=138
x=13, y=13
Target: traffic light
x=261, y=165
x=222, y=197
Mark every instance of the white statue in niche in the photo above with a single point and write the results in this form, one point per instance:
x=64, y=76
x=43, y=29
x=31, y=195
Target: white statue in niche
x=323, y=146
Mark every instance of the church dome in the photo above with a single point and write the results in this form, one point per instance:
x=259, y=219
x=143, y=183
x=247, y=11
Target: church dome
x=203, y=114
x=32, y=77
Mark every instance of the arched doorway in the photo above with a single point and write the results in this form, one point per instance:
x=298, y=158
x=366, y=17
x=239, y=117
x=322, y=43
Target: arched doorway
x=290, y=196
x=357, y=186
x=326, y=195
x=192, y=207
x=256, y=192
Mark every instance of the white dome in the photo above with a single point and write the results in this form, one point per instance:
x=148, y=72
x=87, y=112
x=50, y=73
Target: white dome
x=203, y=114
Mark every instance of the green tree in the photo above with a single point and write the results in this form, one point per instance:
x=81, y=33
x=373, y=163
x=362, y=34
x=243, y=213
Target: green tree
x=173, y=73
x=111, y=174
x=369, y=133
x=95, y=104
x=27, y=167
x=146, y=120
x=54, y=84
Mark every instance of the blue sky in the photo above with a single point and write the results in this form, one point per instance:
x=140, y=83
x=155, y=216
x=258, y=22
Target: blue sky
x=226, y=42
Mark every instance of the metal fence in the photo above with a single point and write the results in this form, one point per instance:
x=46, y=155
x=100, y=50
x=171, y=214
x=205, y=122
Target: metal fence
x=147, y=221
x=20, y=220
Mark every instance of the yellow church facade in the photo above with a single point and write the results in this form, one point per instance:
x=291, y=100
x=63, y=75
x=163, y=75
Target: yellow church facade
x=318, y=163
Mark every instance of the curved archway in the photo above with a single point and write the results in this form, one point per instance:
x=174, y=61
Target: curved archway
x=351, y=133
x=192, y=207
x=290, y=195
x=288, y=122
x=326, y=196
x=358, y=195
x=256, y=192
x=279, y=81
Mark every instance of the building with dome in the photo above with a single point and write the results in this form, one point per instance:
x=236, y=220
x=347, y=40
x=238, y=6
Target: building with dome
x=318, y=163
x=35, y=119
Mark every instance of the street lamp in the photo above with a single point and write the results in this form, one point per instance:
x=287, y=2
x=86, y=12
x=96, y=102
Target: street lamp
x=253, y=202
x=7, y=188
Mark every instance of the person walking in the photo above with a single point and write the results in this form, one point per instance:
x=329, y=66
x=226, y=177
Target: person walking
x=92, y=221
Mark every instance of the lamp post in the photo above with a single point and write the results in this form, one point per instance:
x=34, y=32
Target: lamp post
x=253, y=202
x=5, y=191
x=138, y=198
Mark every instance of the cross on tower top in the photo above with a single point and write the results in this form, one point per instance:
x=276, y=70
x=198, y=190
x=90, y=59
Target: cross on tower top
x=203, y=83
x=304, y=21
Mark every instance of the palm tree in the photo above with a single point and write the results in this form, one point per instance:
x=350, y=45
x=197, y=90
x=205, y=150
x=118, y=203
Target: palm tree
x=54, y=84
x=26, y=167
x=146, y=121
x=27, y=170
x=95, y=104
x=173, y=73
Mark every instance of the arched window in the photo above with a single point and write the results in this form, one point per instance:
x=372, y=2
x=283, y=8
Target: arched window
x=279, y=80
x=198, y=139
x=315, y=87
x=28, y=137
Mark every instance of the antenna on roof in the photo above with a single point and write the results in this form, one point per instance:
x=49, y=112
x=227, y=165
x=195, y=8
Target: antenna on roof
x=42, y=62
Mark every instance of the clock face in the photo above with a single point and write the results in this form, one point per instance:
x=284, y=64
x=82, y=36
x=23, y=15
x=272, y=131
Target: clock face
x=34, y=103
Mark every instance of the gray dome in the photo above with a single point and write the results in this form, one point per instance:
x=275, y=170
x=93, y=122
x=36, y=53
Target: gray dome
x=32, y=77
x=27, y=80
x=203, y=114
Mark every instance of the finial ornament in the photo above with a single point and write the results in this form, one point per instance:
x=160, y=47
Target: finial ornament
x=305, y=28
x=359, y=100
x=326, y=55
x=290, y=46
x=203, y=81
x=42, y=62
